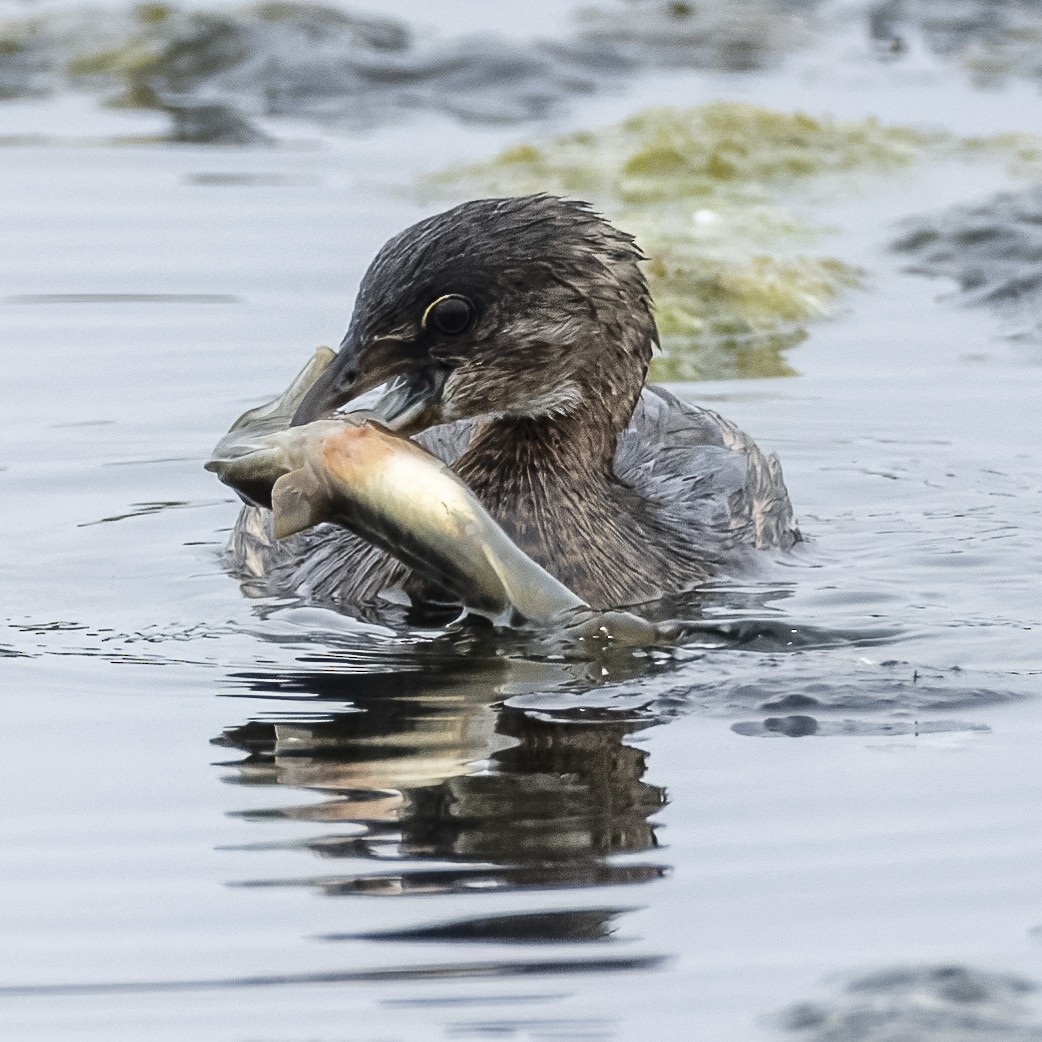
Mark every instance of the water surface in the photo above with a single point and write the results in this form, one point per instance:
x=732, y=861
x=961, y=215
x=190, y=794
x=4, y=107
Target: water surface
x=234, y=818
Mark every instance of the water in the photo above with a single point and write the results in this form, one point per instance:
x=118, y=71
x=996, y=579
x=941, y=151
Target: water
x=236, y=819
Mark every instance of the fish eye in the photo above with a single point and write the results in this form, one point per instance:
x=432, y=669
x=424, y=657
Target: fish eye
x=450, y=315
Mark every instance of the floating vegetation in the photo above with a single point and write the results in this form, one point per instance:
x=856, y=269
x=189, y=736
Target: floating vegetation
x=711, y=151
x=946, y=1003
x=992, y=250
x=732, y=269
x=733, y=320
x=306, y=59
x=217, y=71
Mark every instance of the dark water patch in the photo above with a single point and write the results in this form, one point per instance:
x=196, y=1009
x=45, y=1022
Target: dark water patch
x=554, y=1029
x=246, y=179
x=202, y=123
x=448, y=971
x=821, y=686
x=948, y=1003
x=778, y=634
x=801, y=725
x=55, y=626
x=123, y=298
x=23, y=140
x=569, y=925
x=144, y=646
x=859, y=688
x=469, y=881
x=147, y=509
x=783, y=702
x=439, y=1001
x=151, y=461
x=993, y=251
x=61, y=142
x=992, y=40
x=84, y=423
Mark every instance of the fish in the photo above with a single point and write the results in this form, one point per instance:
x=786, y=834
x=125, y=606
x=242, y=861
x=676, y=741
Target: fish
x=352, y=471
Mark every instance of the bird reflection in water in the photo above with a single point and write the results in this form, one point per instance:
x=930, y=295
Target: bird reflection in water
x=446, y=791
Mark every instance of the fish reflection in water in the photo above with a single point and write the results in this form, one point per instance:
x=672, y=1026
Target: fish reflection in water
x=513, y=800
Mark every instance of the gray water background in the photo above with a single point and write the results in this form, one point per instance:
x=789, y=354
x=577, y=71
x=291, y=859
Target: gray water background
x=242, y=820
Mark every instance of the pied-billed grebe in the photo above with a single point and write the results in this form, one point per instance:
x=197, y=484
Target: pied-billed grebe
x=512, y=338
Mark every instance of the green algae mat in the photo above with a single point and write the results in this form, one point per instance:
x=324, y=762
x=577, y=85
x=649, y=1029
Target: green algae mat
x=711, y=193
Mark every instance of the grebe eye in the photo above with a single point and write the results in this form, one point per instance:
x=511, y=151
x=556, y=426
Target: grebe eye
x=449, y=315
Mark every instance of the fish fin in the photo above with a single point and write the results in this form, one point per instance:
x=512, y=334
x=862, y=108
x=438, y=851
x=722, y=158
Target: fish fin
x=531, y=591
x=297, y=502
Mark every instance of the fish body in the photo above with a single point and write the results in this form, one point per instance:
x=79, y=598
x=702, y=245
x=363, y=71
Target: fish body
x=398, y=496
x=387, y=489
